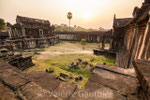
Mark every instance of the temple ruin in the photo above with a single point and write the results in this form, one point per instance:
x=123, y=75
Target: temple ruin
x=17, y=60
x=30, y=33
x=131, y=36
x=130, y=46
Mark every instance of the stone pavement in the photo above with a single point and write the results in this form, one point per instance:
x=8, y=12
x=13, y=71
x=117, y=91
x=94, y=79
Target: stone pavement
x=106, y=83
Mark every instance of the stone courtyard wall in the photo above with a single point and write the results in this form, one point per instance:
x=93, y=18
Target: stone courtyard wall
x=95, y=36
x=18, y=44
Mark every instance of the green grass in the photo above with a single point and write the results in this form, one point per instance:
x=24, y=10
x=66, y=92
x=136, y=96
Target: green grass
x=60, y=63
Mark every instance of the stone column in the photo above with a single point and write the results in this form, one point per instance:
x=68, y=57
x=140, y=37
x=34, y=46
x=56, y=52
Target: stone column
x=103, y=43
x=133, y=47
x=10, y=32
x=23, y=32
x=144, y=46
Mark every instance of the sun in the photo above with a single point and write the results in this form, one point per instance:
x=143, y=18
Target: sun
x=87, y=15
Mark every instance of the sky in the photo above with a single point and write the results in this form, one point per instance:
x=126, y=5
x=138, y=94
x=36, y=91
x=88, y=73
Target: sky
x=86, y=13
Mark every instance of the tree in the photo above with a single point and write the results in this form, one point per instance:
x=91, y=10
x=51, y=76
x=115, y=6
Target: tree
x=2, y=24
x=69, y=16
x=83, y=42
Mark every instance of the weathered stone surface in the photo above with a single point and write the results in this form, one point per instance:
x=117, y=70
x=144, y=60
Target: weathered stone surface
x=5, y=93
x=17, y=60
x=127, y=72
x=15, y=85
x=102, y=85
x=95, y=91
x=142, y=68
x=117, y=81
x=32, y=91
x=50, y=83
x=45, y=80
x=12, y=78
x=108, y=84
x=65, y=90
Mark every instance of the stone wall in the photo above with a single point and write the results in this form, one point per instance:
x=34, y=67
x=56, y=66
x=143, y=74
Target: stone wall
x=30, y=28
x=18, y=44
x=142, y=68
x=95, y=36
x=17, y=60
x=106, y=53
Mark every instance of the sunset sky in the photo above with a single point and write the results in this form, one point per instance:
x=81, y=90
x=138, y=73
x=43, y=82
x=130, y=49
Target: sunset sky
x=86, y=13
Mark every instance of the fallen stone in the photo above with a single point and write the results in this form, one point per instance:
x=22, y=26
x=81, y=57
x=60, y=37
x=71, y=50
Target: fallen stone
x=50, y=70
x=63, y=75
x=73, y=65
x=104, y=63
x=80, y=60
x=83, y=66
x=85, y=63
x=71, y=76
x=79, y=78
x=62, y=79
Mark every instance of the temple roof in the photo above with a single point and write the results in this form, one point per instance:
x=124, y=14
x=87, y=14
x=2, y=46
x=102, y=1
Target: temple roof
x=121, y=22
x=31, y=20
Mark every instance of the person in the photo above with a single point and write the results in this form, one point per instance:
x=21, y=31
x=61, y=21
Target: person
x=83, y=48
x=98, y=47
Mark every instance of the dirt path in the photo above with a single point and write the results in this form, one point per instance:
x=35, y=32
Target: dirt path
x=75, y=52
x=66, y=48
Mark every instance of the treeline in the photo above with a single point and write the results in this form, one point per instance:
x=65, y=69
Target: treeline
x=66, y=28
x=2, y=24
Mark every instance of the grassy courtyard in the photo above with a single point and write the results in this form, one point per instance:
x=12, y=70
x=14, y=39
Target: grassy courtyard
x=60, y=56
